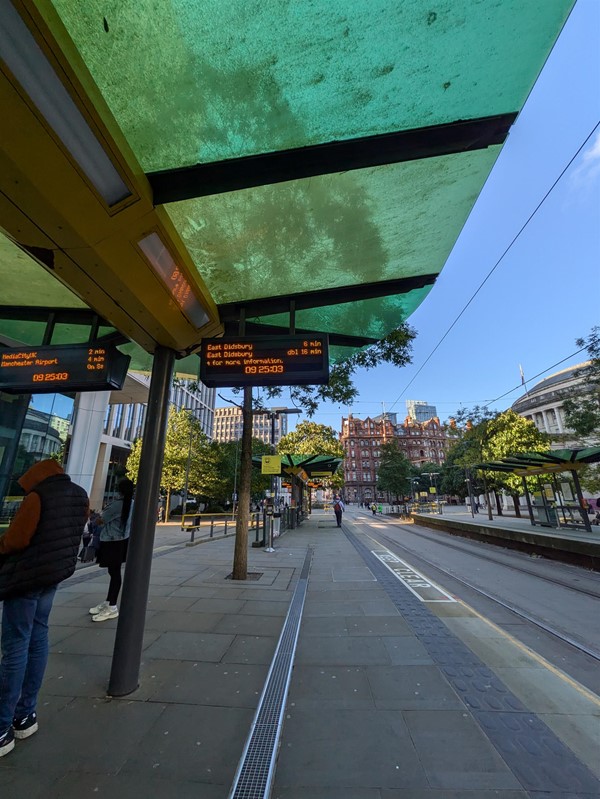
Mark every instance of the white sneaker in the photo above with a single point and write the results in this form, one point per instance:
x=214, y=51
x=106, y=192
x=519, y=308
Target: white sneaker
x=98, y=608
x=106, y=614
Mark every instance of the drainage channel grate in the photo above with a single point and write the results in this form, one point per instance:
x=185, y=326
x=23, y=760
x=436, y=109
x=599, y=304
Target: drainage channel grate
x=537, y=757
x=256, y=769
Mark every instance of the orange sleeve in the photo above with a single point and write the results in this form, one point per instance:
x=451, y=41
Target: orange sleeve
x=23, y=525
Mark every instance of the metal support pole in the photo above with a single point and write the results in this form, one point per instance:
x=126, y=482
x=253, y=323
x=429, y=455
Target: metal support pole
x=124, y=676
x=212, y=526
x=528, y=501
x=584, y=515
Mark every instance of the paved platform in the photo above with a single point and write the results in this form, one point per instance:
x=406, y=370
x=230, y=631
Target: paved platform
x=390, y=697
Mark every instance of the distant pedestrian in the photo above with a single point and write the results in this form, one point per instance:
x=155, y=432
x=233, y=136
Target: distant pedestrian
x=37, y=552
x=114, y=538
x=338, y=509
x=373, y=509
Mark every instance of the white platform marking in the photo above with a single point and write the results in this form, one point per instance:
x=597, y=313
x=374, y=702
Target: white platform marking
x=423, y=588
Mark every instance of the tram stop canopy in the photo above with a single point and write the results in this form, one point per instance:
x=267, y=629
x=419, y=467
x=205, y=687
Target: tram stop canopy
x=170, y=168
x=535, y=463
x=563, y=512
x=309, y=466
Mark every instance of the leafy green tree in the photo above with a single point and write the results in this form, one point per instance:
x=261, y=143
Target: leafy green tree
x=511, y=434
x=582, y=407
x=310, y=438
x=186, y=455
x=394, y=470
x=226, y=456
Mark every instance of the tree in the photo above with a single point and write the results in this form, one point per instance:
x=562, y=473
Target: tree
x=393, y=348
x=582, y=407
x=310, y=438
x=394, y=470
x=511, y=434
x=186, y=455
x=491, y=436
x=226, y=455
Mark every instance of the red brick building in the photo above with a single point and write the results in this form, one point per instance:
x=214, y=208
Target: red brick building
x=422, y=442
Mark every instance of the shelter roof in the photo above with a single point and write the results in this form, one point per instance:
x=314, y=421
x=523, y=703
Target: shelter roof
x=312, y=465
x=531, y=463
x=320, y=157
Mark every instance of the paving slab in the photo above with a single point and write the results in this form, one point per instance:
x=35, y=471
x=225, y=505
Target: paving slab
x=189, y=646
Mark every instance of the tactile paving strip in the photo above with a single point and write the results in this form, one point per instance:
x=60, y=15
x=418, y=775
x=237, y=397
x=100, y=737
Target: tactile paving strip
x=535, y=755
x=256, y=768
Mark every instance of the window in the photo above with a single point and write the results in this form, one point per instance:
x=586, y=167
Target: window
x=117, y=420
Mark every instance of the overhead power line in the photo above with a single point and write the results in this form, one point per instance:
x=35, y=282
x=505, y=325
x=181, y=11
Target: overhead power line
x=497, y=264
x=535, y=377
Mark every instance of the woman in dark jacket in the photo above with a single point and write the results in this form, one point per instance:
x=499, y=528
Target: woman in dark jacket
x=112, y=551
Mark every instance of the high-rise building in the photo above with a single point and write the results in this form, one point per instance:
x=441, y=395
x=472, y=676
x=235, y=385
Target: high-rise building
x=420, y=411
x=228, y=424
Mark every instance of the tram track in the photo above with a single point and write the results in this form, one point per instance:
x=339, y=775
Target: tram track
x=559, y=634
x=552, y=580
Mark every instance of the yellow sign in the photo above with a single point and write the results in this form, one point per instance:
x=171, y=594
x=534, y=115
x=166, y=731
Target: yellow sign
x=432, y=490
x=271, y=464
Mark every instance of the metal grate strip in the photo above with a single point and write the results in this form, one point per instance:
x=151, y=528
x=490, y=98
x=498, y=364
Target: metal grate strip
x=256, y=769
x=537, y=757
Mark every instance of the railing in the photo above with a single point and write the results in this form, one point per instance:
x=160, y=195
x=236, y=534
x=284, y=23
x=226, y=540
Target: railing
x=289, y=518
x=197, y=521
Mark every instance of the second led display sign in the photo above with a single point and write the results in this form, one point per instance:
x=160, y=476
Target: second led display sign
x=265, y=361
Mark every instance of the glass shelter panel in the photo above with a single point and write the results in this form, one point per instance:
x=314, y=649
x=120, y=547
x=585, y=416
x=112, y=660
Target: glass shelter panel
x=193, y=81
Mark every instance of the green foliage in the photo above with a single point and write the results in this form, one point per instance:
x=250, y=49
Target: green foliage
x=226, y=473
x=185, y=439
x=511, y=434
x=394, y=470
x=486, y=437
x=310, y=438
x=582, y=407
x=394, y=348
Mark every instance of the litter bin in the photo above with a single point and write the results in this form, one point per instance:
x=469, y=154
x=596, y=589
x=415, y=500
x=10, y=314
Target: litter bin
x=276, y=524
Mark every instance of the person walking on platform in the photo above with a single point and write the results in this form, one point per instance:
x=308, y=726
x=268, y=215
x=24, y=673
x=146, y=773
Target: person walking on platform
x=373, y=509
x=37, y=552
x=112, y=551
x=338, y=509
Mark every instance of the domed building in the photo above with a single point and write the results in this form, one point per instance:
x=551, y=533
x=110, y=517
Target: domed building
x=543, y=405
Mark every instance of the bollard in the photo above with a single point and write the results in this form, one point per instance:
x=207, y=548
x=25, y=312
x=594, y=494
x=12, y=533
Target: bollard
x=192, y=534
x=255, y=524
x=212, y=525
x=225, y=531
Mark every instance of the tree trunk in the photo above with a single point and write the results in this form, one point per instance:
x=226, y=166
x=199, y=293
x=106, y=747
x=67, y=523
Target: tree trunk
x=240, y=552
x=515, y=499
x=498, y=504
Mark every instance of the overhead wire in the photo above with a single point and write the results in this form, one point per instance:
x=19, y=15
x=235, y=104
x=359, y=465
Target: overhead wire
x=497, y=264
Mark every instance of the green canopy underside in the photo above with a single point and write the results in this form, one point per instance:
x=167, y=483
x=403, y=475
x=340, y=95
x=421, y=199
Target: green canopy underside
x=358, y=227
x=196, y=81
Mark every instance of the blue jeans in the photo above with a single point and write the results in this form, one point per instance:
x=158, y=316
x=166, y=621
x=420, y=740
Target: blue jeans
x=24, y=653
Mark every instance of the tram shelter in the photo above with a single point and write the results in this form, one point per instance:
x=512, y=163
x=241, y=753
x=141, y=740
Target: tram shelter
x=559, y=503
x=169, y=174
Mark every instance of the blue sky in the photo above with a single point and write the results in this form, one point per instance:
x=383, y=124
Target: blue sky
x=546, y=291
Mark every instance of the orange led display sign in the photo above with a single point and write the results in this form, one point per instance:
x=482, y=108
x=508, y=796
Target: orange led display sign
x=76, y=367
x=265, y=361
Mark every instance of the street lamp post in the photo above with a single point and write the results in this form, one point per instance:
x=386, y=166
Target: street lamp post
x=274, y=414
